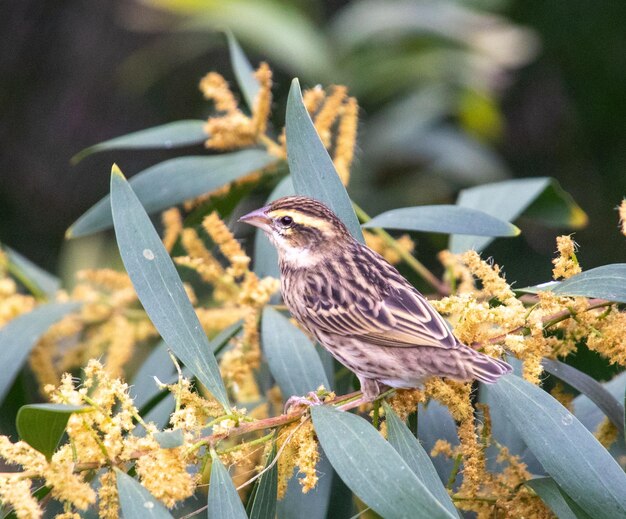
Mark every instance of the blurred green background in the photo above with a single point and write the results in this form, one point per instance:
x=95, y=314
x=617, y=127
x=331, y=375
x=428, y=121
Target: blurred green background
x=453, y=94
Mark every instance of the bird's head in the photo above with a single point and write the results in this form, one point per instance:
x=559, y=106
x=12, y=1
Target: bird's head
x=302, y=229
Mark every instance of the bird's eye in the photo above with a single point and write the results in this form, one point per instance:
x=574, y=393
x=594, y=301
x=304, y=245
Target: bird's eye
x=286, y=221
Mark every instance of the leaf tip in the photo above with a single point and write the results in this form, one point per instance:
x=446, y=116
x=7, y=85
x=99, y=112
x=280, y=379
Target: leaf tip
x=117, y=172
x=69, y=233
x=578, y=218
x=516, y=231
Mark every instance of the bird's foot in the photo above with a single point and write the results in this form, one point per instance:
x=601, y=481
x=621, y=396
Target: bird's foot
x=311, y=399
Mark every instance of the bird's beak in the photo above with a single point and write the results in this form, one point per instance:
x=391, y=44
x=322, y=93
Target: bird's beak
x=258, y=218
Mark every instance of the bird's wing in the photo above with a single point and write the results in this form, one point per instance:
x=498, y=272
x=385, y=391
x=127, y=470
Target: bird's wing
x=394, y=315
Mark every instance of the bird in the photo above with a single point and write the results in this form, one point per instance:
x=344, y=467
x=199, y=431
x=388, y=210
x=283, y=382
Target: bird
x=359, y=307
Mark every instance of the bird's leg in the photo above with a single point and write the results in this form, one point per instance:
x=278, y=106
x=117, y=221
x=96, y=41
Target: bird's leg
x=371, y=390
x=312, y=398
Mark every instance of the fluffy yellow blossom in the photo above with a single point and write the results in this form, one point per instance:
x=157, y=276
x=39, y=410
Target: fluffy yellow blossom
x=328, y=113
x=172, y=227
x=108, y=501
x=378, y=244
x=622, y=216
x=566, y=264
x=15, y=492
x=66, y=485
x=302, y=452
x=215, y=88
x=457, y=273
x=606, y=433
x=229, y=246
x=346, y=139
x=164, y=473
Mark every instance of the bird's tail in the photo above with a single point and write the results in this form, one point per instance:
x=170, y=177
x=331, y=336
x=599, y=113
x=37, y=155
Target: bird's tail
x=485, y=368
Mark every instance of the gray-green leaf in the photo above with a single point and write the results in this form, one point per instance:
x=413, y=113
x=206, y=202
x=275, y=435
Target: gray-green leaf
x=174, y=181
x=412, y=452
x=311, y=168
x=223, y=499
x=166, y=136
x=42, y=279
x=606, y=282
x=135, y=501
x=372, y=468
x=572, y=456
x=509, y=199
x=19, y=336
x=449, y=219
x=42, y=425
x=159, y=287
x=555, y=498
x=264, y=500
x=291, y=356
x=244, y=73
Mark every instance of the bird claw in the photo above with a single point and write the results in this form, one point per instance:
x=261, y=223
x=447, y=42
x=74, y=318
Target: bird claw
x=311, y=399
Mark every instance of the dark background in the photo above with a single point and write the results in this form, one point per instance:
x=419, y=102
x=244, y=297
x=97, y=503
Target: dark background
x=74, y=73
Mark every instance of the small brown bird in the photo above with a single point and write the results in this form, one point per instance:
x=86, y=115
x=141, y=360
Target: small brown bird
x=359, y=307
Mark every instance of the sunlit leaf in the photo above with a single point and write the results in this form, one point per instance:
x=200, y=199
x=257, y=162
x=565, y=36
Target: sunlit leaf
x=412, y=452
x=248, y=83
x=42, y=425
x=553, y=496
x=541, y=198
x=19, y=336
x=223, y=498
x=372, y=468
x=572, y=456
x=606, y=282
x=312, y=170
x=449, y=219
x=159, y=287
x=135, y=501
x=166, y=136
x=42, y=280
x=264, y=500
x=588, y=386
x=174, y=181
x=291, y=356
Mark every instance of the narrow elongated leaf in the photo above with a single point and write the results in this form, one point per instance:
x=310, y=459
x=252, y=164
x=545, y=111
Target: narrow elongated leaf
x=174, y=181
x=412, y=452
x=42, y=425
x=572, y=456
x=19, y=336
x=445, y=219
x=265, y=255
x=166, y=136
x=264, y=501
x=244, y=73
x=553, y=496
x=159, y=287
x=609, y=405
x=292, y=358
x=372, y=468
x=312, y=169
x=44, y=281
x=218, y=342
x=135, y=501
x=509, y=199
x=223, y=498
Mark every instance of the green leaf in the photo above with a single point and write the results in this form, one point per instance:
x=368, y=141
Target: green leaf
x=174, y=181
x=166, y=136
x=555, y=498
x=135, y=501
x=509, y=199
x=564, y=447
x=31, y=275
x=42, y=425
x=159, y=287
x=606, y=282
x=223, y=500
x=244, y=73
x=264, y=500
x=221, y=339
x=312, y=170
x=412, y=452
x=169, y=439
x=19, y=336
x=590, y=387
x=372, y=468
x=265, y=255
x=291, y=356
x=450, y=219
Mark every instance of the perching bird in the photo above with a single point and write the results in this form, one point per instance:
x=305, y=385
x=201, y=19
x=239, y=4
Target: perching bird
x=359, y=307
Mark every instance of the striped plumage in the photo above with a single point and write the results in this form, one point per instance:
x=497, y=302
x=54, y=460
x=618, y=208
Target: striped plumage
x=359, y=307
